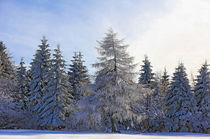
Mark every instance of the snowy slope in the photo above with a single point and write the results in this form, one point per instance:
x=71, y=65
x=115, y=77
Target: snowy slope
x=38, y=134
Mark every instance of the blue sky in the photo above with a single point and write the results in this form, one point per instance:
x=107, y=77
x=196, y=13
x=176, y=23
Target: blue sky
x=168, y=31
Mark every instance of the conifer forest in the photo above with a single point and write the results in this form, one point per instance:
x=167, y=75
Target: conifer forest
x=54, y=94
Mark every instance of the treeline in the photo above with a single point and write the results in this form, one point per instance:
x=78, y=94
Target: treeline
x=53, y=95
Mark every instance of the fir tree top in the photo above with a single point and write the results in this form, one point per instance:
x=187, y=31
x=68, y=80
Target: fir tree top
x=165, y=78
x=114, y=60
x=21, y=70
x=41, y=62
x=78, y=74
x=164, y=84
x=202, y=89
x=6, y=67
x=180, y=78
x=146, y=76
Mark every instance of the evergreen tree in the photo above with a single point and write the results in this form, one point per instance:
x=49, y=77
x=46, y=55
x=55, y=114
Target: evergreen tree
x=7, y=74
x=6, y=67
x=78, y=74
x=22, y=85
x=148, y=80
x=156, y=112
x=146, y=77
x=156, y=99
x=56, y=100
x=10, y=112
x=202, y=96
x=164, y=85
x=40, y=66
x=113, y=81
x=153, y=112
x=179, y=103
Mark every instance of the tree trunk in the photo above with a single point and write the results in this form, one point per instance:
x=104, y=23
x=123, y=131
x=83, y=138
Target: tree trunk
x=113, y=125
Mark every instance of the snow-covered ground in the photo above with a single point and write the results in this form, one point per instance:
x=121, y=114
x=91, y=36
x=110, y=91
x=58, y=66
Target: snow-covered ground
x=38, y=134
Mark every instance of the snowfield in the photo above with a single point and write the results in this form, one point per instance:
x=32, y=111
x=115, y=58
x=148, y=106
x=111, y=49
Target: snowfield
x=34, y=134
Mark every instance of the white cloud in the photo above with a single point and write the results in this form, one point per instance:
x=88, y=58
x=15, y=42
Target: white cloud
x=181, y=35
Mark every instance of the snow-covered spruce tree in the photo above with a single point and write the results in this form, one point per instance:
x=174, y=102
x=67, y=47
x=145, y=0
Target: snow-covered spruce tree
x=156, y=109
x=156, y=123
x=146, y=76
x=7, y=70
x=7, y=73
x=22, y=86
x=78, y=75
x=56, y=99
x=202, y=96
x=179, y=103
x=150, y=106
x=10, y=112
x=114, y=89
x=164, y=85
x=40, y=66
x=147, y=79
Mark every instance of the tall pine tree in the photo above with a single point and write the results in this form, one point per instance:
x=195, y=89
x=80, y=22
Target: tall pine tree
x=113, y=81
x=40, y=66
x=78, y=75
x=179, y=103
x=202, y=96
x=56, y=100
